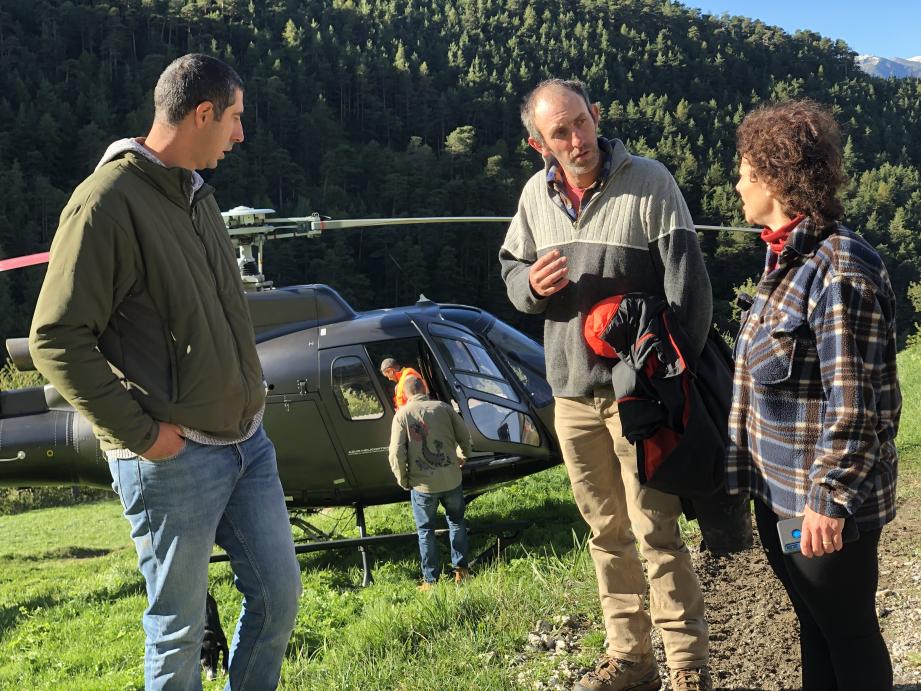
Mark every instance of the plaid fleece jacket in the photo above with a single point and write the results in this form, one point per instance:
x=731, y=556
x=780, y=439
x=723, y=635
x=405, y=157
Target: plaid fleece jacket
x=816, y=400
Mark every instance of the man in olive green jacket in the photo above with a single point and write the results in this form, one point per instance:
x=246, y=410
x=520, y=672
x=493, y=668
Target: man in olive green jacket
x=143, y=327
x=424, y=439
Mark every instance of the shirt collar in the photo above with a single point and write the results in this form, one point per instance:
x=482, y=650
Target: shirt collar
x=803, y=241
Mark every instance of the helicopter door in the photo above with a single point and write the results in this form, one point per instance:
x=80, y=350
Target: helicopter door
x=356, y=405
x=481, y=391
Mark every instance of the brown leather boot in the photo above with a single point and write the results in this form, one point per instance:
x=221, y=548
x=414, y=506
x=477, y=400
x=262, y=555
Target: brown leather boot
x=461, y=573
x=691, y=679
x=612, y=674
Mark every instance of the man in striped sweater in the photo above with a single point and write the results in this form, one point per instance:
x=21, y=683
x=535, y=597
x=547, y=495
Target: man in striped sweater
x=598, y=222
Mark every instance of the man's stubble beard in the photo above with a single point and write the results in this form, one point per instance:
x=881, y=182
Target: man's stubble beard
x=577, y=169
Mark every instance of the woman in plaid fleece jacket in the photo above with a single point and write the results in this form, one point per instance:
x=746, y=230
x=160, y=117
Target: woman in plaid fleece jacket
x=816, y=400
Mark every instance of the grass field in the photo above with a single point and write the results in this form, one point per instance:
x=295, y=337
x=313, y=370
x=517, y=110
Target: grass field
x=71, y=598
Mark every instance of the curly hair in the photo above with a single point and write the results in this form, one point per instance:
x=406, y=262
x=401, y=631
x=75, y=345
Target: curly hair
x=794, y=147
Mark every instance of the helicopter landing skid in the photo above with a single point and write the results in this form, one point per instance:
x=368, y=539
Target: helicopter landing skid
x=311, y=532
x=505, y=533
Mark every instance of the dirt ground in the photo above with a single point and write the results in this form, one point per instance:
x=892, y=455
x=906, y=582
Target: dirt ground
x=743, y=658
x=745, y=600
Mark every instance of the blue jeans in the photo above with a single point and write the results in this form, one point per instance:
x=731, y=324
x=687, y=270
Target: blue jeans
x=425, y=508
x=178, y=509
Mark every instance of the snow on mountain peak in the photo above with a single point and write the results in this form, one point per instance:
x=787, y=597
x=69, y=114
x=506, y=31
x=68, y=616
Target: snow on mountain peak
x=890, y=67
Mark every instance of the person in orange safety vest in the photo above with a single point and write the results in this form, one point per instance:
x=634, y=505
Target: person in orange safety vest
x=391, y=369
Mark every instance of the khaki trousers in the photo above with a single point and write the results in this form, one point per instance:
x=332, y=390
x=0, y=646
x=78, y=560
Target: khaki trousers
x=602, y=469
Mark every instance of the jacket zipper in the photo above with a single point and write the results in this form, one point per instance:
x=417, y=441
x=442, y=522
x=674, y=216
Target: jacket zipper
x=193, y=214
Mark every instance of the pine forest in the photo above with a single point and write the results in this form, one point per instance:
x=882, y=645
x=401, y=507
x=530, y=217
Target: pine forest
x=361, y=108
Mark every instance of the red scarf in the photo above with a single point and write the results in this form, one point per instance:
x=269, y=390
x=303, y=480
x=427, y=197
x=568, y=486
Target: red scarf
x=776, y=239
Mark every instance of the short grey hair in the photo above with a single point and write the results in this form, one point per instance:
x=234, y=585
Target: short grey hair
x=530, y=101
x=389, y=363
x=414, y=386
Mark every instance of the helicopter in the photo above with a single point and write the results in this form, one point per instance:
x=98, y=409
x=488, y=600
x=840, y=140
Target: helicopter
x=328, y=407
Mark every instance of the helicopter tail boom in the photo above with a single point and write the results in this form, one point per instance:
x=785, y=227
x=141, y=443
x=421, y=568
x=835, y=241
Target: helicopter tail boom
x=44, y=446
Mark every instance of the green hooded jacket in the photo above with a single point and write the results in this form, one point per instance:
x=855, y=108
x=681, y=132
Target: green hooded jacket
x=142, y=316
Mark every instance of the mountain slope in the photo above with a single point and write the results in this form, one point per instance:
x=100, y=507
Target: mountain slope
x=886, y=67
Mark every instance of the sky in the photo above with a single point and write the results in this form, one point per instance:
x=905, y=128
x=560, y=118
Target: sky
x=887, y=28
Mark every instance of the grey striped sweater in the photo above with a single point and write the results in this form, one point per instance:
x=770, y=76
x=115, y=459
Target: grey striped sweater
x=634, y=234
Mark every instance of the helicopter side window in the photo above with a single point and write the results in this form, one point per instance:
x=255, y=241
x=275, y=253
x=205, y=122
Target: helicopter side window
x=487, y=385
x=503, y=424
x=354, y=390
x=484, y=363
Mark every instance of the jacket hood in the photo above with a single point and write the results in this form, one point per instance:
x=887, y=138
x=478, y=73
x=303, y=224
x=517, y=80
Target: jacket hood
x=117, y=148
x=135, y=145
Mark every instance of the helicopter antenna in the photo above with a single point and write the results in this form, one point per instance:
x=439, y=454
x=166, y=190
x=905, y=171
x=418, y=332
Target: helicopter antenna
x=403, y=273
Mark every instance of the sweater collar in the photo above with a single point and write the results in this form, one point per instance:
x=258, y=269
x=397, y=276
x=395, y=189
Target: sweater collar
x=614, y=156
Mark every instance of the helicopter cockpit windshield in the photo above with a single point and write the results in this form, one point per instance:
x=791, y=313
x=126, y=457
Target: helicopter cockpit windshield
x=524, y=358
x=475, y=369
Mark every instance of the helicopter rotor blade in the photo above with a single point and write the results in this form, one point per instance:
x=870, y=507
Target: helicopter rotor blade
x=245, y=224
x=22, y=262
x=330, y=224
x=318, y=224
x=341, y=224
x=311, y=226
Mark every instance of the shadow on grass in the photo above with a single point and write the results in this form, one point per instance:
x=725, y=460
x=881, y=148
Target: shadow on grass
x=554, y=522
x=337, y=563
x=551, y=510
x=11, y=614
x=66, y=552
